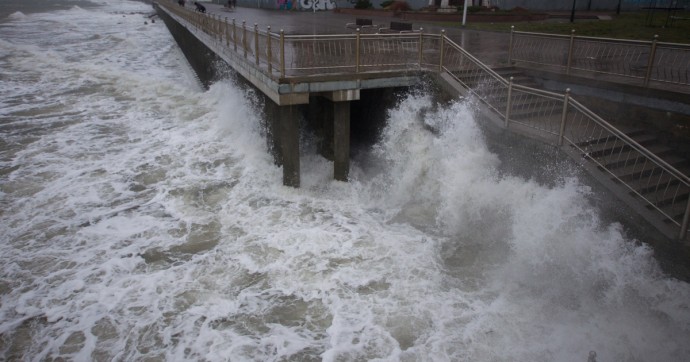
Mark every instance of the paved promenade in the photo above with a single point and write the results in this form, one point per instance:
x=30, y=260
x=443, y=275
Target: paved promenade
x=490, y=47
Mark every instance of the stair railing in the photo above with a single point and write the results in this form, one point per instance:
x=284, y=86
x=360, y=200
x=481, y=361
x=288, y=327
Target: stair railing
x=560, y=117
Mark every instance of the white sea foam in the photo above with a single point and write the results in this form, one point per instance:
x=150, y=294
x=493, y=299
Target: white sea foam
x=142, y=217
x=18, y=15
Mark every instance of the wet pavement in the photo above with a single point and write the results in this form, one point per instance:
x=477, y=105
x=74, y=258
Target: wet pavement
x=489, y=47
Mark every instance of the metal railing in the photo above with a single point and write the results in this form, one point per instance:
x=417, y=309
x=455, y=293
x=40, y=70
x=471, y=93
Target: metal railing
x=554, y=115
x=561, y=118
x=282, y=56
x=644, y=60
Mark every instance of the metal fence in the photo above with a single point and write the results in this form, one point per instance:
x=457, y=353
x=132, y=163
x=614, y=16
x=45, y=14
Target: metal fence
x=557, y=116
x=644, y=60
x=659, y=185
x=282, y=56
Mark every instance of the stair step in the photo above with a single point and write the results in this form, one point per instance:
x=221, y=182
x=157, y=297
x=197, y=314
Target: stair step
x=633, y=133
x=545, y=122
x=640, y=171
x=613, y=144
x=663, y=198
x=628, y=156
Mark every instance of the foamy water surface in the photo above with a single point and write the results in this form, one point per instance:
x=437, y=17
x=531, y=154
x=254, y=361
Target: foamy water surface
x=141, y=217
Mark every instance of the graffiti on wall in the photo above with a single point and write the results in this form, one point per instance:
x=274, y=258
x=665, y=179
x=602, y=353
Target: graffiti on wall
x=317, y=4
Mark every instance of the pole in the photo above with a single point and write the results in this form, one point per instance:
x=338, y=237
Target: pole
x=572, y=12
x=650, y=63
x=564, y=116
x=570, y=51
x=464, y=13
x=282, y=53
x=508, y=103
x=357, y=44
x=510, y=45
x=618, y=8
x=440, y=63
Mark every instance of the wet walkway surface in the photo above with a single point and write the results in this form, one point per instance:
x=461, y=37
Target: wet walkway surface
x=489, y=47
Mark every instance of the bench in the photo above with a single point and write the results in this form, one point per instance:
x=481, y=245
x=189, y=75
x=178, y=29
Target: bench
x=362, y=24
x=398, y=27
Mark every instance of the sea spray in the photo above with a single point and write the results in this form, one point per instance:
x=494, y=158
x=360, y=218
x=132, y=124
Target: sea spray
x=143, y=218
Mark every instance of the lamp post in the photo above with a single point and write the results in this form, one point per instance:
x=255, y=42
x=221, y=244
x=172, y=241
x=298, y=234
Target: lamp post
x=464, y=13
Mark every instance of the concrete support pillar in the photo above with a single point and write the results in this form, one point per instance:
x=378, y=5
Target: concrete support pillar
x=289, y=144
x=320, y=119
x=341, y=140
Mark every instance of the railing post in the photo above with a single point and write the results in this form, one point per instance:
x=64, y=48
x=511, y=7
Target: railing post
x=509, y=101
x=244, y=37
x=256, y=43
x=684, y=226
x=227, y=35
x=357, y=43
x=269, y=51
x=440, y=62
x=282, y=53
x=421, y=37
x=510, y=45
x=234, y=35
x=564, y=116
x=650, y=64
x=570, y=51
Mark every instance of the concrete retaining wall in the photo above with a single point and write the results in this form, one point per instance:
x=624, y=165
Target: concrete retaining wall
x=538, y=5
x=563, y=5
x=200, y=57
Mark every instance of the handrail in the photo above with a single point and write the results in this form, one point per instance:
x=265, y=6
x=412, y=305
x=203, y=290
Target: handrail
x=645, y=60
x=632, y=143
x=481, y=65
x=538, y=91
x=570, y=105
x=289, y=64
x=377, y=53
x=613, y=40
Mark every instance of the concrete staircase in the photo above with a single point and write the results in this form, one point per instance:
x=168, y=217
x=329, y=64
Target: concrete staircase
x=620, y=166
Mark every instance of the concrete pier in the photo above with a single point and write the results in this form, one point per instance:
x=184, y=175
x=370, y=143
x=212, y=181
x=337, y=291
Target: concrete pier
x=288, y=131
x=341, y=140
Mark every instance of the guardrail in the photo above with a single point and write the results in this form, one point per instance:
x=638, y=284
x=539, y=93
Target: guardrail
x=560, y=117
x=283, y=57
x=645, y=60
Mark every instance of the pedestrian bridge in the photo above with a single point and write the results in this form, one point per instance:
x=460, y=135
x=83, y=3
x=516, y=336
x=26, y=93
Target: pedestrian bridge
x=291, y=69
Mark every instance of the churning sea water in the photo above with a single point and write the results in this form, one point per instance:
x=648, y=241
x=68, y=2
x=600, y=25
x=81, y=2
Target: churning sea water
x=142, y=218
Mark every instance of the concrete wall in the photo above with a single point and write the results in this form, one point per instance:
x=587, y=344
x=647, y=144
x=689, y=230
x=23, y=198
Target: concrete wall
x=579, y=4
x=200, y=57
x=562, y=5
x=320, y=5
